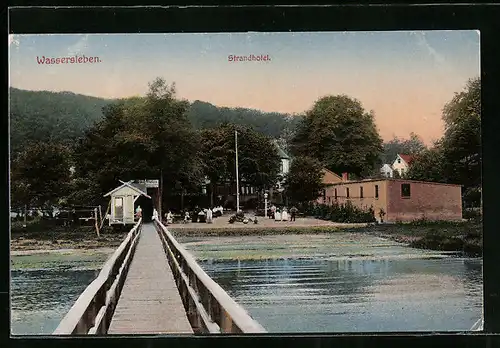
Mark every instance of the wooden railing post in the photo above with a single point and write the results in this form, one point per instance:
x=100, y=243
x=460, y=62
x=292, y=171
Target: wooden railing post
x=92, y=311
x=214, y=310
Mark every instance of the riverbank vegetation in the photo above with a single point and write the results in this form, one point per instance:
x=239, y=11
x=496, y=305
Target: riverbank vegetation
x=464, y=236
x=344, y=213
x=44, y=235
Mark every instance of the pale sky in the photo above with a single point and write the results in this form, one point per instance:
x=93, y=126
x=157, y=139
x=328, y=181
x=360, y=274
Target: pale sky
x=405, y=77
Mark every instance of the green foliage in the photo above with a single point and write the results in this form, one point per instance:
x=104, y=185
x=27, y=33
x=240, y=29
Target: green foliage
x=205, y=115
x=258, y=161
x=65, y=116
x=50, y=116
x=40, y=174
x=138, y=138
x=412, y=146
x=428, y=166
x=341, y=134
x=344, y=213
x=456, y=158
x=304, y=181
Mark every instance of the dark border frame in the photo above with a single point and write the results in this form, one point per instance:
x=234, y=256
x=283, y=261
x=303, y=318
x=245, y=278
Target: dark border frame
x=30, y=20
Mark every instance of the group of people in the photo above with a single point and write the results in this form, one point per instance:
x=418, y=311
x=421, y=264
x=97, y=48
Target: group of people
x=282, y=214
x=198, y=215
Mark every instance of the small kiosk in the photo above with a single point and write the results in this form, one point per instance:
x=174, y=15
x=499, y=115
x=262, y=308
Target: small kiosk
x=122, y=203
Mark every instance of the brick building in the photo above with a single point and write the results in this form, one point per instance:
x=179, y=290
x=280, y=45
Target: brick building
x=401, y=200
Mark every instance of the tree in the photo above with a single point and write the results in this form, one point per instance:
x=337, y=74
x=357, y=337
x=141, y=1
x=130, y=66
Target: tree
x=40, y=174
x=461, y=143
x=456, y=158
x=142, y=137
x=304, y=181
x=339, y=133
x=258, y=161
x=428, y=166
x=412, y=146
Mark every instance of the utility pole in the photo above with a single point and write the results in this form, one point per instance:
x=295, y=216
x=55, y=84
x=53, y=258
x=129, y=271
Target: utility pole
x=237, y=176
x=160, y=189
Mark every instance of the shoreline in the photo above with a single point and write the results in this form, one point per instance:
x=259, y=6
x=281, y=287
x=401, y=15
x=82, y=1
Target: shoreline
x=438, y=236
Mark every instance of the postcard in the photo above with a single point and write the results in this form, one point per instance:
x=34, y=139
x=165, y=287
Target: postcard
x=264, y=182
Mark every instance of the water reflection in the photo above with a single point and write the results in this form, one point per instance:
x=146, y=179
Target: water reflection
x=44, y=287
x=355, y=295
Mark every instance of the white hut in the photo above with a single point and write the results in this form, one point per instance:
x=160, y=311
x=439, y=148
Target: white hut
x=122, y=203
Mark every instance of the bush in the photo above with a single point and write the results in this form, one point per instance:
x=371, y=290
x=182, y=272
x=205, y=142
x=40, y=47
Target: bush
x=346, y=213
x=471, y=214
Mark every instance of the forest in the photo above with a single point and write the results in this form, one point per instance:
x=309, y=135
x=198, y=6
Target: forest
x=187, y=143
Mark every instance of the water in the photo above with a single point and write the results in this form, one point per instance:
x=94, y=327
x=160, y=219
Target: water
x=344, y=283
x=45, y=286
x=317, y=283
x=355, y=295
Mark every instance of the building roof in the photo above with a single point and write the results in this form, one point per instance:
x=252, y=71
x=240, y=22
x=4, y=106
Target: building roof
x=127, y=184
x=407, y=158
x=392, y=179
x=281, y=153
x=329, y=171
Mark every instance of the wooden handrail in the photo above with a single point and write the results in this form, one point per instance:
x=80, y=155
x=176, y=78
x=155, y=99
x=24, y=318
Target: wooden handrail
x=208, y=306
x=92, y=311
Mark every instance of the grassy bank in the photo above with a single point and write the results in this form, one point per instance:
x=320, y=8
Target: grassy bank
x=435, y=235
x=432, y=235
x=46, y=237
x=256, y=231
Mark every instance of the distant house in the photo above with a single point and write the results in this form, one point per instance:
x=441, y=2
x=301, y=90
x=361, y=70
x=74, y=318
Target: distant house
x=123, y=199
x=387, y=171
x=402, y=163
x=285, y=161
x=399, y=199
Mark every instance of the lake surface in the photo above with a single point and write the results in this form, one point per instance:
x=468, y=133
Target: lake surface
x=316, y=283
x=45, y=286
x=344, y=283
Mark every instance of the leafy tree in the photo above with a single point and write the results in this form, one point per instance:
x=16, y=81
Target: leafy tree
x=142, y=138
x=258, y=161
x=40, y=174
x=428, y=166
x=456, y=158
x=412, y=146
x=304, y=181
x=338, y=132
x=461, y=143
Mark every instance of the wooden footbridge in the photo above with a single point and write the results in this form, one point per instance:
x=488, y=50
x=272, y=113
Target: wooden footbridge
x=152, y=285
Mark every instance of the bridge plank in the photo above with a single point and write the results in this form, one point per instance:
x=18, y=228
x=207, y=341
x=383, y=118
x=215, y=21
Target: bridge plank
x=150, y=302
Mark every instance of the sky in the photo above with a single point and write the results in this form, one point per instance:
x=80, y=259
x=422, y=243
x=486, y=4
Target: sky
x=406, y=78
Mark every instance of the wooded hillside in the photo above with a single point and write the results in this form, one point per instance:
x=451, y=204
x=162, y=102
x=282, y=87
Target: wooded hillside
x=64, y=116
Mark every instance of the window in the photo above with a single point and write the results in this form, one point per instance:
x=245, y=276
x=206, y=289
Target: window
x=324, y=194
x=405, y=190
x=361, y=192
x=335, y=193
x=118, y=207
x=399, y=160
x=376, y=191
x=347, y=192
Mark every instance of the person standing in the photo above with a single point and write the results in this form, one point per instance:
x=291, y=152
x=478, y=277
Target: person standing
x=138, y=212
x=293, y=213
x=209, y=215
